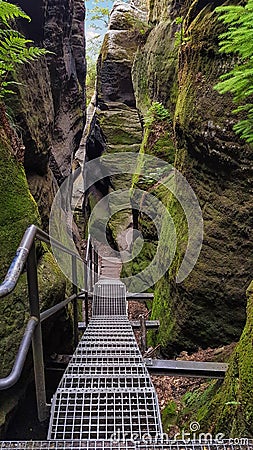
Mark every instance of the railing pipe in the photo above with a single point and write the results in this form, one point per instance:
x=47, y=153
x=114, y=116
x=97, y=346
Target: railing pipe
x=38, y=361
x=95, y=265
x=51, y=311
x=74, y=302
x=90, y=273
x=18, y=262
x=86, y=296
x=13, y=377
x=86, y=308
x=26, y=254
x=143, y=333
x=87, y=249
x=43, y=236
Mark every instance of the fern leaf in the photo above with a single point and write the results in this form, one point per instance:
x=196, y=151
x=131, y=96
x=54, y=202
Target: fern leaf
x=8, y=11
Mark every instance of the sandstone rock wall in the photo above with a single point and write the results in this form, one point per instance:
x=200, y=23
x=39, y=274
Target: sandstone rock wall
x=208, y=308
x=64, y=36
x=229, y=407
x=117, y=115
x=18, y=211
x=48, y=116
x=50, y=106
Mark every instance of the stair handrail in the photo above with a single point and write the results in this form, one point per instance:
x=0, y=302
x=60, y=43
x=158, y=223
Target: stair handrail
x=26, y=256
x=20, y=258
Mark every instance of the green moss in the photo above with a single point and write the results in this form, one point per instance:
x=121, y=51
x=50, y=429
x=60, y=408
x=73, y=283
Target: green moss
x=154, y=70
x=141, y=261
x=164, y=148
x=119, y=222
x=104, y=48
x=18, y=208
x=120, y=127
x=226, y=407
x=18, y=211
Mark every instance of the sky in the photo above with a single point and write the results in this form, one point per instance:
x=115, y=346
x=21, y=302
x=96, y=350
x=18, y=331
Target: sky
x=89, y=25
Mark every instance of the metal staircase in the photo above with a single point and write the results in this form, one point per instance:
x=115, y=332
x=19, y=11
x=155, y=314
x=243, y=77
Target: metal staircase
x=105, y=399
x=106, y=392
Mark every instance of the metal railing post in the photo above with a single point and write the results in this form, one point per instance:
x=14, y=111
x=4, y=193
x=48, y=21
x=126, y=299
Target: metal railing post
x=38, y=361
x=91, y=269
x=86, y=299
x=143, y=333
x=95, y=265
x=74, y=302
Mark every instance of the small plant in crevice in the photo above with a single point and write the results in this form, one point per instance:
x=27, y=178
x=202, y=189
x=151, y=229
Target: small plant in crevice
x=156, y=113
x=15, y=50
x=180, y=38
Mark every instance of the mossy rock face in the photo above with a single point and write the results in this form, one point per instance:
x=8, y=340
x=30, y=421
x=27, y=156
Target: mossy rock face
x=18, y=211
x=121, y=128
x=155, y=68
x=117, y=116
x=227, y=407
x=18, y=208
x=208, y=308
x=124, y=17
x=213, y=160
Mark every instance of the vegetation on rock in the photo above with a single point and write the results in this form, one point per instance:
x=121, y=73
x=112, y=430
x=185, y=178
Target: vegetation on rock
x=227, y=407
x=237, y=40
x=15, y=49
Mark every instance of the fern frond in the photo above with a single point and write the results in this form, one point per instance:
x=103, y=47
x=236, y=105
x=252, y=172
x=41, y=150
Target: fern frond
x=237, y=39
x=8, y=11
x=15, y=49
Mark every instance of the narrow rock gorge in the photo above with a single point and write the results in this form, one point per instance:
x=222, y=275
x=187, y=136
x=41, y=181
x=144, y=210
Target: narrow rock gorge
x=154, y=57
x=155, y=96
x=142, y=62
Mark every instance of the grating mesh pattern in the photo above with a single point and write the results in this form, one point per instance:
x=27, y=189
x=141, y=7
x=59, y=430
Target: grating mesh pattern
x=109, y=299
x=106, y=388
x=109, y=360
x=102, y=415
x=107, y=370
x=105, y=383
x=125, y=445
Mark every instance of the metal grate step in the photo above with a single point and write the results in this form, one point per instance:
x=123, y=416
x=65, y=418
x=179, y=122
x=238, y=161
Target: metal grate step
x=106, y=388
x=106, y=351
x=105, y=383
x=117, y=360
x=110, y=319
x=102, y=346
x=117, y=337
x=100, y=415
x=112, y=342
x=137, y=370
x=109, y=298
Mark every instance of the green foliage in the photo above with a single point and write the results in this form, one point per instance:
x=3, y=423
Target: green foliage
x=169, y=415
x=156, y=113
x=180, y=37
x=90, y=78
x=14, y=48
x=98, y=19
x=237, y=39
x=99, y=14
x=9, y=11
x=179, y=20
